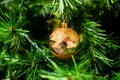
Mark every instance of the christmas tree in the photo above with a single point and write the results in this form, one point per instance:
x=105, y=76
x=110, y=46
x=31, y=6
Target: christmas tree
x=88, y=49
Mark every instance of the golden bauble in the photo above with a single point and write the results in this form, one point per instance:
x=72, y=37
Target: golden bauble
x=63, y=42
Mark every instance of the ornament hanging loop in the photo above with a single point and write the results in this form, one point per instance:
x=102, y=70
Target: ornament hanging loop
x=64, y=24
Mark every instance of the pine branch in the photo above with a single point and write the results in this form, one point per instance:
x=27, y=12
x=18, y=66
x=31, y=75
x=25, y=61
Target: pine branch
x=65, y=8
x=66, y=75
x=9, y=29
x=36, y=46
x=94, y=48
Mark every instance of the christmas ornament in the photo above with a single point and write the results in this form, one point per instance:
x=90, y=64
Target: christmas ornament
x=64, y=41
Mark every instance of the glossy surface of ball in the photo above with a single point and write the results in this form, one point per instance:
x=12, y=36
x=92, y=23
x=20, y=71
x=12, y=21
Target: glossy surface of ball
x=64, y=41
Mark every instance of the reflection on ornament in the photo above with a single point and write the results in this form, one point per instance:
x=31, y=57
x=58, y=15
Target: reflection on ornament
x=64, y=41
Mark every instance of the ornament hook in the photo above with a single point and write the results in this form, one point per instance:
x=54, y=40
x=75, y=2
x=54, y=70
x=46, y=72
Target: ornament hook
x=64, y=24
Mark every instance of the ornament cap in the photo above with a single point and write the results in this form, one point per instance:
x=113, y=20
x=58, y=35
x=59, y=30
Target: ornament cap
x=64, y=24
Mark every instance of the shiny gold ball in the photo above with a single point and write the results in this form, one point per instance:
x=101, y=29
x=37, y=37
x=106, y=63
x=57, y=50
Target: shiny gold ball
x=64, y=41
